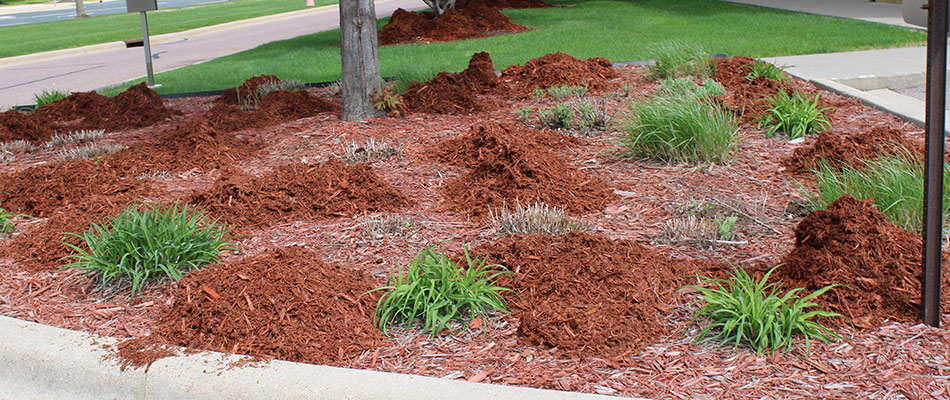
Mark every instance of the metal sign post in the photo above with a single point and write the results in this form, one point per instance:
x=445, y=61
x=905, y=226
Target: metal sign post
x=933, y=161
x=141, y=6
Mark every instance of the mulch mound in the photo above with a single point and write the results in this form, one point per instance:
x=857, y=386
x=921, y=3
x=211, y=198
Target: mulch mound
x=136, y=107
x=744, y=97
x=557, y=69
x=851, y=243
x=501, y=4
x=249, y=87
x=283, y=303
x=455, y=24
x=838, y=149
x=586, y=295
x=512, y=164
x=460, y=93
x=299, y=192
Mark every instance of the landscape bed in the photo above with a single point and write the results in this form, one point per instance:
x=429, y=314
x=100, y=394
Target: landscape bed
x=320, y=216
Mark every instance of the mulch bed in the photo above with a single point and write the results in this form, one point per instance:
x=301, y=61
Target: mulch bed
x=557, y=69
x=457, y=93
x=837, y=149
x=454, y=24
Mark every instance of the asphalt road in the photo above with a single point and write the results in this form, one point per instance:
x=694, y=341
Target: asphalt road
x=84, y=72
x=65, y=10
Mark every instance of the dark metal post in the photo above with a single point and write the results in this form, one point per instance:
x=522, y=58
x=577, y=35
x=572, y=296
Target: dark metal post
x=933, y=168
x=148, y=50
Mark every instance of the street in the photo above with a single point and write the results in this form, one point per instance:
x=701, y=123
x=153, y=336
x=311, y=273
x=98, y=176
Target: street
x=64, y=10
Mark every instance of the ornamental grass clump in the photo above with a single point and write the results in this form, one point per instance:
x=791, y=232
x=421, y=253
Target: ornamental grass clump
x=768, y=70
x=436, y=291
x=147, y=242
x=795, y=114
x=680, y=127
x=6, y=221
x=742, y=310
x=675, y=60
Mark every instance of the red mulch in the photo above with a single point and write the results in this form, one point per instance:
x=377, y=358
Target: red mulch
x=507, y=167
x=299, y=192
x=459, y=93
x=837, y=148
x=557, y=69
x=136, y=107
x=853, y=245
x=586, y=295
x=284, y=303
x=744, y=97
x=501, y=4
x=455, y=24
x=249, y=87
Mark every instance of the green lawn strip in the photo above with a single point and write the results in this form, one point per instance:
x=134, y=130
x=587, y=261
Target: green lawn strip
x=33, y=38
x=19, y=2
x=618, y=30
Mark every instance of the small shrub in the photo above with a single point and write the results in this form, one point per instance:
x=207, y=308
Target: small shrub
x=92, y=150
x=560, y=93
x=768, y=70
x=388, y=101
x=680, y=128
x=742, y=310
x=795, y=115
x=538, y=95
x=139, y=244
x=674, y=60
x=6, y=221
x=75, y=137
x=592, y=114
x=537, y=218
x=369, y=151
x=49, y=96
x=557, y=116
x=390, y=226
x=436, y=291
x=726, y=227
x=525, y=114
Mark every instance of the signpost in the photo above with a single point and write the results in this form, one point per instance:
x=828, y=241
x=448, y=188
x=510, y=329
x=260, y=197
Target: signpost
x=141, y=6
x=933, y=15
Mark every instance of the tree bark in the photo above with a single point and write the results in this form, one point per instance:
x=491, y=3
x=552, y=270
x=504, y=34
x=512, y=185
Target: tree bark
x=80, y=9
x=358, y=48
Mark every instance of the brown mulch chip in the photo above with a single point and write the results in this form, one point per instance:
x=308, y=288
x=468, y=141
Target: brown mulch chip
x=247, y=88
x=744, y=97
x=455, y=24
x=557, y=69
x=284, y=303
x=460, y=93
x=836, y=148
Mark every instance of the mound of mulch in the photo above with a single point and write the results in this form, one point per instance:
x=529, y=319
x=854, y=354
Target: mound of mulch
x=136, y=107
x=456, y=93
x=247, y=88
x=557, y=69
x=744, y=97
x=455, y=24
x=284, y=303
x=299, y=192
x=586, y=295
x=837, y=148
x=511, y=165
x=877, y=264
x=501, y=4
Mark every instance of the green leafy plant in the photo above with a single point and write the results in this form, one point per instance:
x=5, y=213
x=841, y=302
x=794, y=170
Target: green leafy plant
x=388, y=101
x=525, y=114
x=627, y=89
x=562, y=92
x=679, y=127
x=726, y=226
x=6, y=221
x=557, y=116
x=49, y=96
x=674, y=60
x=435, y=290
x=768, y=70
x=742, y=310
x=146, y=242
x=538, y=95
x=796, y=115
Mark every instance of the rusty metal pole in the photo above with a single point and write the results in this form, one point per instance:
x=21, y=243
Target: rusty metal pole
x=933, y=161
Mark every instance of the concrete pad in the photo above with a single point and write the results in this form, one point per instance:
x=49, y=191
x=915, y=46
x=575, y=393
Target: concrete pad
x=856, y=64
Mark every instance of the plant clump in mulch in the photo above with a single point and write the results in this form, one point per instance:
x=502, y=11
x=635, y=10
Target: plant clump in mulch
x=746, y=98
x=283, y=303
x=454, y=24
x=876, y=264
x=513, y=164
x=557, y=69
x=299, y=192
x=501, y=4
x=587, y=295
x=456, y=93
x=247, y=88
x=136, y=107
x=838, y=148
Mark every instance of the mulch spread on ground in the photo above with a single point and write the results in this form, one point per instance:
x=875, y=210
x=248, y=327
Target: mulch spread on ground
x=838, y=149
x=586, y=295
x=746, y=98
x=557, y=69
x=454, y=24
x=299, y=192
x=136, y=107
x=284, y=303
x=457, y=93
x=248, y=88
x=850, y=243
x=501, y=4
x=508, y=167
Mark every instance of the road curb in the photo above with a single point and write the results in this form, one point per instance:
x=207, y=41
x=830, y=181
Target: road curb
x=43, y=362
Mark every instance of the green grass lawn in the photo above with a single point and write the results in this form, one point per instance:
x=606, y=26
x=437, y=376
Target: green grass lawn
x=18, y=2
x=33, y=38
x=618, y=30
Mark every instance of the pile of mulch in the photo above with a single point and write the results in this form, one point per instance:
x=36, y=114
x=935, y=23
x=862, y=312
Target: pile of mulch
x=284, y=303
x=586, y=295
x=299, y=192
x=842, y=149
x=459, y=93
x=247, y=88
x=455, y=24
x=513, y=164
x=877, y=264
x=557, y=69
x=746, y=98
x=136, y=107
x=501, y=4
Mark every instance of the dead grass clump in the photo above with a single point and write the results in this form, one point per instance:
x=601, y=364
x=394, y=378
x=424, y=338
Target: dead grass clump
x=369, y=151
x=535, y=218
x=390, y=226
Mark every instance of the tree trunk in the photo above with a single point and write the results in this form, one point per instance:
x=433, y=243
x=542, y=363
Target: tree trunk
x=80, y=9
x=358, y=48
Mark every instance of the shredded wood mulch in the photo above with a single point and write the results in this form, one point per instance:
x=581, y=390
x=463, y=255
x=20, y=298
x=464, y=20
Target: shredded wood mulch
x=658, y=358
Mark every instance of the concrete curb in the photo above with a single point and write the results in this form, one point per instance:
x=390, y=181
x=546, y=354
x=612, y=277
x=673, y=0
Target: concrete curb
x=43, y=362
